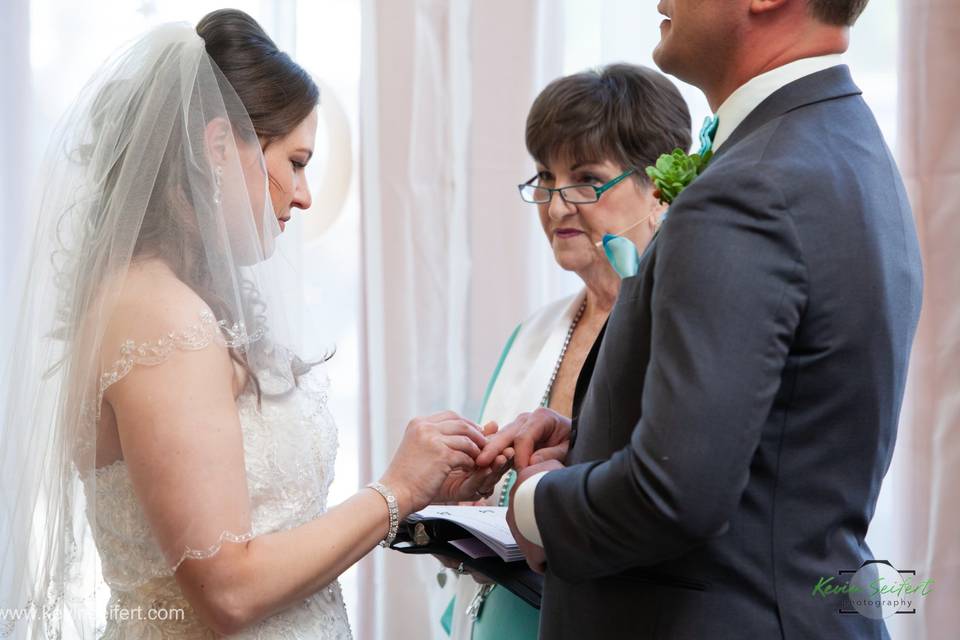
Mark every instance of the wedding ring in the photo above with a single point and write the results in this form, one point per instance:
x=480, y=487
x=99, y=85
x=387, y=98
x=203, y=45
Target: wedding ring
x=460, y=570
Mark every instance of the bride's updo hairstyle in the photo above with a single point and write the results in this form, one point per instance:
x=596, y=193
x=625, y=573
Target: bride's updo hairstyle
x=276, y=92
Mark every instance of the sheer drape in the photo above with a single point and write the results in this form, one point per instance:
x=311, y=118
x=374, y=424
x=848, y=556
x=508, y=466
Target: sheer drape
x=14, y=163
x=452, y=257
x=930, y=442
x=415, y=264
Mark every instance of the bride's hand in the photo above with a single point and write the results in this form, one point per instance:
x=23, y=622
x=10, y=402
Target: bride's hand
x=432, y=448
x=463, y=485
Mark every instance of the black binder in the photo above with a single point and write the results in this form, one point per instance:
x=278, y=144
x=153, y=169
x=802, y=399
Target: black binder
x=431, y=536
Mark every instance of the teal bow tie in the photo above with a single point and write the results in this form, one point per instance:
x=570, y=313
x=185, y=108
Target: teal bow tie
x=622, y=254
x=707, y=133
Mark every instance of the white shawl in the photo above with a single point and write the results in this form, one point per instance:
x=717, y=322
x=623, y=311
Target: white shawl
x=517, y=386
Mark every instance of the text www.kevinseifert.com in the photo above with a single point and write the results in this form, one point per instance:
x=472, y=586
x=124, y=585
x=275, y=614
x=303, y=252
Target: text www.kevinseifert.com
x=10, y=617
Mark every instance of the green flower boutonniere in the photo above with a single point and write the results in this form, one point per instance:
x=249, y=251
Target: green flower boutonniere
x=675, y=171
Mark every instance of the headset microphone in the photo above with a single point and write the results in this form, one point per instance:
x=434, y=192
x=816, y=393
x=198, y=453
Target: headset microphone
x=643, y=219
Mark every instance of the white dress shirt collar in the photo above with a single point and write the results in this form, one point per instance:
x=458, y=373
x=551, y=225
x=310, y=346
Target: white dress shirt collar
x=748, y=97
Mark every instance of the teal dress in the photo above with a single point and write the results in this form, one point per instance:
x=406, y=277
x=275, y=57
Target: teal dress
x=501, y=613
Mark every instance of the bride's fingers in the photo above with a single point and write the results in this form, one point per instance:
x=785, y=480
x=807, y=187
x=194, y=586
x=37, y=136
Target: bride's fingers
x=473, y=485
x=489, y=483
x=462, y=428
x=490, y=428
x=460, y=460
x=464, y=444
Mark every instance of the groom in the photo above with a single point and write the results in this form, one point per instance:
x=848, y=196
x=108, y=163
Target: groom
x=733, y=425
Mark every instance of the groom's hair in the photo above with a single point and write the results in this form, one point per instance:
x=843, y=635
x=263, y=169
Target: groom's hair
x=622, y=112
x=842, y=13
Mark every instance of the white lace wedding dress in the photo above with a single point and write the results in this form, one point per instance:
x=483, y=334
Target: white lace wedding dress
x=290, y=446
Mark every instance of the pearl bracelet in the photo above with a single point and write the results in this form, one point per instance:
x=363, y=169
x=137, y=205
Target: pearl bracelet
x=392, y=508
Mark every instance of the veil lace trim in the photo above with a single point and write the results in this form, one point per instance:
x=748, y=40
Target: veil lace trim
x=193, y=338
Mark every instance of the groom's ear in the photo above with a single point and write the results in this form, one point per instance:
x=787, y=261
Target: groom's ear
x=215, y=138
x=764, y=6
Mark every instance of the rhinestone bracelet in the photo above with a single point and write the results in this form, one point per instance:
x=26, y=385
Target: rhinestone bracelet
x=392, y=508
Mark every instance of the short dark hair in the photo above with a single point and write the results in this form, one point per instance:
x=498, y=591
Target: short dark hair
x=275, y=91
x=622, y=112
x=842, y=13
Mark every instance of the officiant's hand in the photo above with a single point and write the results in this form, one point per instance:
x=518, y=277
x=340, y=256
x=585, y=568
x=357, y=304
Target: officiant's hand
x=535, y=555
x=463, y=485
x=536, y=437
x=432, y=448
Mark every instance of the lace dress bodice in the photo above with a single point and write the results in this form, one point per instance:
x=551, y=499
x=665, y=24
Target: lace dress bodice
x=290, y=445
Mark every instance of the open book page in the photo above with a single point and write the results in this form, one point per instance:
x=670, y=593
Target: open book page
x=487, y=524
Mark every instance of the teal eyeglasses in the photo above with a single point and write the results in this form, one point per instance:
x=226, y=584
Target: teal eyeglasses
x=572, y=194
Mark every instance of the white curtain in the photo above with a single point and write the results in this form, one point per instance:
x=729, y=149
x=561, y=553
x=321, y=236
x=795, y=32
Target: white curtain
x=445, y=88
x=929, y=448
x=415, y=265
x=14, y=140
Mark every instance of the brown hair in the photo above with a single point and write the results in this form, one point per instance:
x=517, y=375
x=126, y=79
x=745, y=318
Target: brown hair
x=623, y=112
x=276, y=92
x=842, y=13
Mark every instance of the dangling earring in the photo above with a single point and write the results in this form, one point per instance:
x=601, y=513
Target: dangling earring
x=217, y=177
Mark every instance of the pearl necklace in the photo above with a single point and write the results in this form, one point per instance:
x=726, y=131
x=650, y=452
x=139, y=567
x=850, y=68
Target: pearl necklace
x=545, y=401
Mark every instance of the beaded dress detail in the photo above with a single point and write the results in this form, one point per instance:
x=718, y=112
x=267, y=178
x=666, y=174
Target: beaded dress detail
x=290, y=445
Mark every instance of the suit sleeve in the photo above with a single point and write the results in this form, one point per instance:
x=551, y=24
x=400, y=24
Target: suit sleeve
x=729, y=289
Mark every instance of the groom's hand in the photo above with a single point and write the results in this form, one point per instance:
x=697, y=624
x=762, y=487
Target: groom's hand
x=536, y=437
x=535, y=555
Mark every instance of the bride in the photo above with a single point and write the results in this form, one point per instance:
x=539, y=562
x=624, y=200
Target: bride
x=159, y=430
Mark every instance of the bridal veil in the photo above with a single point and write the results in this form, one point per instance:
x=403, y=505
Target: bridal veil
x=157, y=160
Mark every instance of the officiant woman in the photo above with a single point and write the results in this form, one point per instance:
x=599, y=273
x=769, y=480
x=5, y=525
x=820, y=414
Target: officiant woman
x=590, y=135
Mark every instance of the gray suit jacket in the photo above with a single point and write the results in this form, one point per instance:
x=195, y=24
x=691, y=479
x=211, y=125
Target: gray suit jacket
x=733, y=425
